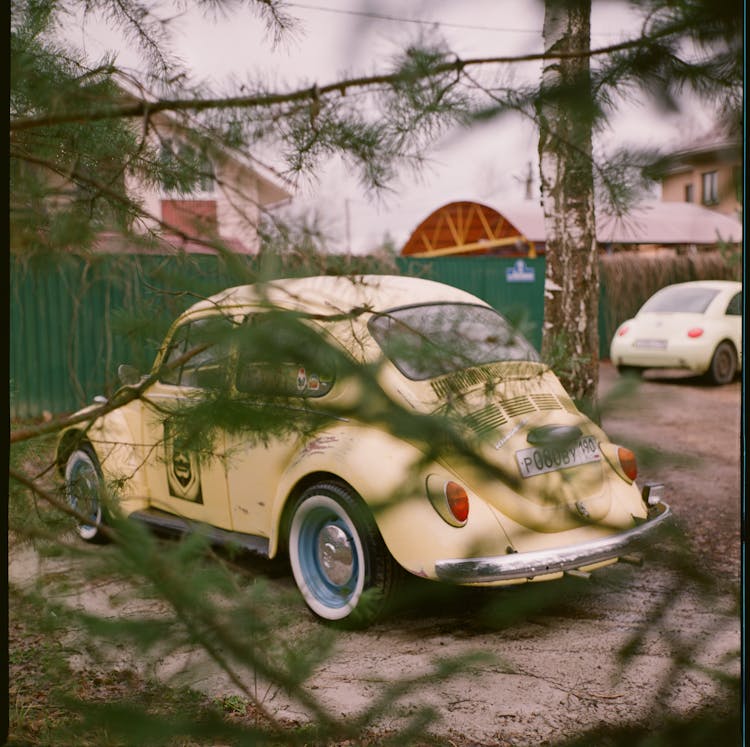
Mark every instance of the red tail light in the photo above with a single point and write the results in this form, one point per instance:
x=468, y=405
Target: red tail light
x=695, y=332
x=627, y=462
x=449, y=499
x=458, y=501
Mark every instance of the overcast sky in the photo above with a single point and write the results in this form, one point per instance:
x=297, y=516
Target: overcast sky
x=338, y=38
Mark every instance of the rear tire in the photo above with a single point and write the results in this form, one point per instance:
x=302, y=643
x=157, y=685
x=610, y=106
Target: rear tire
x=339, y=560
x=723, y=364
x=84, y=489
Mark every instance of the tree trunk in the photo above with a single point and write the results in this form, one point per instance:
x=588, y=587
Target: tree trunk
x=570, y=340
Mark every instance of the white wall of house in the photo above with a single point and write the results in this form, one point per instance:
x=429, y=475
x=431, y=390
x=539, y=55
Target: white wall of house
x=239, y=192
x=237, y=203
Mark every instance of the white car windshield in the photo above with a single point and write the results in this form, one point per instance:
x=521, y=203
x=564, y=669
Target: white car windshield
x=686, y=299
x=425, y=341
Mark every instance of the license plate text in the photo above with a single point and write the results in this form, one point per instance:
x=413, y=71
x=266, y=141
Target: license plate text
x=540, y=459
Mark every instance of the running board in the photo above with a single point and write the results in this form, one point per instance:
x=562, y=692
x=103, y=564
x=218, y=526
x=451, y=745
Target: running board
x=163, y=521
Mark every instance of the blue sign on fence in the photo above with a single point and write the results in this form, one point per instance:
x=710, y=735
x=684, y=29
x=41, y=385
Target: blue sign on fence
x=520, y=273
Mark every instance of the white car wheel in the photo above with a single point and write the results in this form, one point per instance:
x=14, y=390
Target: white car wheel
x=339, y=561
x=723, y=364
x=84, y=487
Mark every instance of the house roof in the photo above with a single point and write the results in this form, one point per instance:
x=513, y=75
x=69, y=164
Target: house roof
x=652, y=222
x=670, y=223
x=721, y=143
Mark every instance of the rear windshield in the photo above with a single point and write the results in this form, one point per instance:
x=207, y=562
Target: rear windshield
x=685, y=299
x=430, y=340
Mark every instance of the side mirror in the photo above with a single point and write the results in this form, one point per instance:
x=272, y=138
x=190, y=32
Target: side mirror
x=128, y=374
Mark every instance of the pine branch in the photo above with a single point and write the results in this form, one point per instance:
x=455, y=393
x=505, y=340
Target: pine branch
x=313, y=93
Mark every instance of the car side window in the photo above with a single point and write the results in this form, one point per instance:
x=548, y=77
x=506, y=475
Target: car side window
x=207, y=368
x=734, y=308
x=169, y=374
x=269, y=363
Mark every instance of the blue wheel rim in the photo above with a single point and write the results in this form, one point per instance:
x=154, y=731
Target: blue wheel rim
x=317, y=577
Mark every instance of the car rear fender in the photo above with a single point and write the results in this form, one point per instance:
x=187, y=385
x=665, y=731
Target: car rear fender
x=390, y=475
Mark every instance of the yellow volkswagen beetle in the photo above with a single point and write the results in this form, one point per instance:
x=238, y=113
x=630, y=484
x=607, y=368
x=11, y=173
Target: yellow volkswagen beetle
x=363, y=424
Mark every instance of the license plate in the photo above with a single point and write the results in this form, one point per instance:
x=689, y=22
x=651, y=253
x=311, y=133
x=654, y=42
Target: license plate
x=540, y=459
x=653, y=344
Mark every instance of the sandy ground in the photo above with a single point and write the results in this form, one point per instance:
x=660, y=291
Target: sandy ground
x=552, y=672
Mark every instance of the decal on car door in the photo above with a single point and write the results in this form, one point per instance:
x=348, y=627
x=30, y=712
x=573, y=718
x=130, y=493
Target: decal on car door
x=183, y=469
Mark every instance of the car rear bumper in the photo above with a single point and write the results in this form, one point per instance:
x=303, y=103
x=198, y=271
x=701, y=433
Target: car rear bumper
x=527, y=565
x=694, y=357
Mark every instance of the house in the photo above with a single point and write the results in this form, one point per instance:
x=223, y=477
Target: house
x=226, y=201
x=707, y=172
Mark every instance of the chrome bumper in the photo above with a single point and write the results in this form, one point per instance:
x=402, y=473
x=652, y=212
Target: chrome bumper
x=541, y=562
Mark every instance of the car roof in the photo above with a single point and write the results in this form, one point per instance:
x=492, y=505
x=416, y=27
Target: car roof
x=330, y=294
x=722, y=285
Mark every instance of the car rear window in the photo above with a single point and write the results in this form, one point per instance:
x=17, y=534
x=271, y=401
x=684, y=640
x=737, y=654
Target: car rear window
x=429, y=340
x=734, y=307
x=694, y=300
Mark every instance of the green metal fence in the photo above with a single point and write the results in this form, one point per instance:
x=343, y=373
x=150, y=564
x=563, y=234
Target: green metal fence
x=73, y=322
x=512, y=286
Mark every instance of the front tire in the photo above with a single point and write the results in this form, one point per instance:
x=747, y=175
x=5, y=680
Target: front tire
x=84, y=489
x=339, y=560
x=723, y=364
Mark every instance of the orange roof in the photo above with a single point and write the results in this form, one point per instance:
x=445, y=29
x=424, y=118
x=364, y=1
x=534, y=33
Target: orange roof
x=473, y=228
x=462, y=228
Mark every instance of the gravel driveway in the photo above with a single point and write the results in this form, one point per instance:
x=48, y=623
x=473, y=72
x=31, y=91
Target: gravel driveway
x=550, y=667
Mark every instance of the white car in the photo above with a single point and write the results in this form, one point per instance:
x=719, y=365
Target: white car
x=695, y=326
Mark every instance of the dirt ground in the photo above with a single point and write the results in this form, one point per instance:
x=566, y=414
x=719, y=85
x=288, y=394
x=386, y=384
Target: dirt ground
x=553, y=672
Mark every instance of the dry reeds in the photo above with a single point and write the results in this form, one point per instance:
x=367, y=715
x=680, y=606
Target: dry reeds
x=629, y=279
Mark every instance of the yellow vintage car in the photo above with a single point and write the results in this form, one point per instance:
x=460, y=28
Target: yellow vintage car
x=362, y=425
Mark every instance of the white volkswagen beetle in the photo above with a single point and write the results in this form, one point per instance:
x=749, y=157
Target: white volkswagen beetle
x=695, y=326
x=503, y=481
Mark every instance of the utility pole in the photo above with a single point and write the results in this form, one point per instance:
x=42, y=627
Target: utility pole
x=348, y=226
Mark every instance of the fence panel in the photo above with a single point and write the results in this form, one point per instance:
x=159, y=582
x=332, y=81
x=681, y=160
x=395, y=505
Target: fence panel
x=514, y=287
x=73, y=322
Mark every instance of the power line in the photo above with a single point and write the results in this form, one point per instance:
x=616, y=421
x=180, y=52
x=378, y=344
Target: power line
x=420, y=21
x=423, y=22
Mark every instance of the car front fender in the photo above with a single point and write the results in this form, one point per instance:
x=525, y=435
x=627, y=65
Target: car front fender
x=115, y=439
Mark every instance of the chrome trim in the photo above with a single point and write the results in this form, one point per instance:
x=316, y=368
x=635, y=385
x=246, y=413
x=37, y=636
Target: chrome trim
x=542, y=562
x=165, y=522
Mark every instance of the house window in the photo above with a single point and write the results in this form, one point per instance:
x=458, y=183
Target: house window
x=186, y=171
x=710, y=184
x=689, y=193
